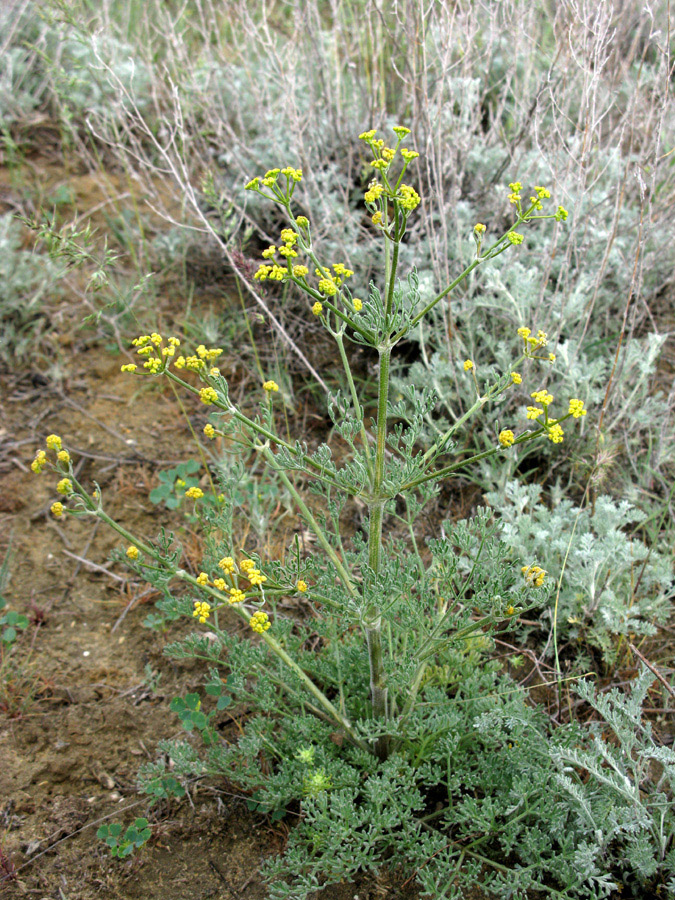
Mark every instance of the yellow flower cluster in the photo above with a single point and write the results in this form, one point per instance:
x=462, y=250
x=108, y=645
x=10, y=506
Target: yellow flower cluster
x=409, y=155
x=270, y=386
x=259, y=622
x=301, y=586
x=39, y=462
x=208, y=395
x=236, y=596
x=227, y=565
x=65, y=485
x=209, y=431
x=357, y=304
x=208, y=353
x=576, y=409
x=555, y=433
x=542, y=397
x=328, y=287
x=292, y=174
x=202, y=579
x=202, y=610
x=374, y=192
x=533, y=412
x=534, y=342
x=317, y=309
x=533, y=575
x=515, y=187
x=516, y=378
x=468, y=365
x=274, y=273
x=515, y=238
x=132, y=552
x=254, y=576
x=479, y=229
x=194, y=493
x=129, y=367
x=506, y=438
x=300, y=271
x=408, y=197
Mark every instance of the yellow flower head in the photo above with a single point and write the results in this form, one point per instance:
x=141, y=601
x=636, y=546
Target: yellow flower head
x=374, y=192
x=65, y=486
x=202, y=578
x=409, y=155
x=270, y=386
x=129, y=367
x=208, y=395
x=236, y=596
x=533, y=412
x=202, y=610
x=516, y=378
x=542, y=397
x=327, y=287
x=357, y=304
x=468, y=365
x=577, y=408
x=408, y=197
x=288, y=236
x=514, y=237
x=479, y=229
x=246, y=565
x=209, y=431
x=524, y=332
x=39, y=462
x=367, y=135
x=376, y=218
x=219, y=584
x=317, y=309
x=63, y=456
x=132, y=552
x=227, y=565
x=194, y=493
x=57, y=509
x=301, y=586
x=400, y=131
x=53, y=442
x=533, y=575
x=259, y=622
x=555, y=434
x=506, y=438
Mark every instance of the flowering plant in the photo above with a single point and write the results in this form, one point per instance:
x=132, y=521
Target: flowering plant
x=399, y=644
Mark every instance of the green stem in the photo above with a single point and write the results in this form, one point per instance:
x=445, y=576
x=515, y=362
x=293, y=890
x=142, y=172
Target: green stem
x=373, y=618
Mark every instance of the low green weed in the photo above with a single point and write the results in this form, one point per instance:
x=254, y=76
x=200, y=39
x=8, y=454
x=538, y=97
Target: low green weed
x=122, y=845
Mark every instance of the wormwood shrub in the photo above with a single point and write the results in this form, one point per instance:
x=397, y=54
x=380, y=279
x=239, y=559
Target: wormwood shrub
x=377, y=721
x=613, y=585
